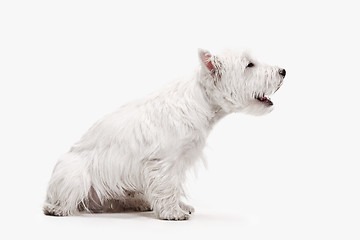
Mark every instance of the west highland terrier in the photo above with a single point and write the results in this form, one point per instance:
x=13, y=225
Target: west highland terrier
x=136, y=158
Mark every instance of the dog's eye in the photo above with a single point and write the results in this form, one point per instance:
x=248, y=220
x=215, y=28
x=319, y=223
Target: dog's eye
x=250, y=65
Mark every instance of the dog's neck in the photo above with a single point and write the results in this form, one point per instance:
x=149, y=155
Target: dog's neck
x=214, y=112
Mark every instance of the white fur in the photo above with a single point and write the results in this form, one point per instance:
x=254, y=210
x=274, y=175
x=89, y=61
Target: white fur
x=136, y=158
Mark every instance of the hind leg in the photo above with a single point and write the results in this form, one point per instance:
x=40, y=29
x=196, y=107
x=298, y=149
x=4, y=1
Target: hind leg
x=131, y=201
x=68, y=187
x=136, y=201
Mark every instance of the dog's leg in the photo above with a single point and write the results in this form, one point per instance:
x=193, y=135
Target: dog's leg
x=68, y=187
x=131, y=201
x=165, y=202
x=136, y=201
x=164, y=190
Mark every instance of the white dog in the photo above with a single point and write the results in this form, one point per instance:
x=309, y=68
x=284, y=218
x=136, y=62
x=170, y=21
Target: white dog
x=136, y=158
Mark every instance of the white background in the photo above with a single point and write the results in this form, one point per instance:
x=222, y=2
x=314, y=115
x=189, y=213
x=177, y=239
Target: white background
x=292, y=174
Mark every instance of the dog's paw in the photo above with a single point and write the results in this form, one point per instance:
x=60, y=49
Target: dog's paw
x=187, y=208
x=174, y=215
x=53, y=210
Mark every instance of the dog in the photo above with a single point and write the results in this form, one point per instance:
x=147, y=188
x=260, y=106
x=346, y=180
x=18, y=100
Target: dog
x=136, y=158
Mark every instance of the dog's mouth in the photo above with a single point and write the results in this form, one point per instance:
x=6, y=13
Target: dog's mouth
x=263, y=99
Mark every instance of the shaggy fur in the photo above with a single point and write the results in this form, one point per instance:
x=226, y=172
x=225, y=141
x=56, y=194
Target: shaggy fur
x=136, y=158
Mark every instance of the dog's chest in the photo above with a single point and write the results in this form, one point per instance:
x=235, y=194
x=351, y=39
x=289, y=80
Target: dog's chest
x=192, y=146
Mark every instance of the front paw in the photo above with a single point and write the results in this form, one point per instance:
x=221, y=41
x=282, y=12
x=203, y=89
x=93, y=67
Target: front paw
x=187, y=208
x=175, y=215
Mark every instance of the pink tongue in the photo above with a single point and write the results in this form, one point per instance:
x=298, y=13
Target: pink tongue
x=263, y=98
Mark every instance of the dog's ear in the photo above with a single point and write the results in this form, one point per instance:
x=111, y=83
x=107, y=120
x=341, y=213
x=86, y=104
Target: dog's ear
x=209, y=62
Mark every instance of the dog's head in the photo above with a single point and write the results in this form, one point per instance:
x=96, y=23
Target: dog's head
x=236, y=82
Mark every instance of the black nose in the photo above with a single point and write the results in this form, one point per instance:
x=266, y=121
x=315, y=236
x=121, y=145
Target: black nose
x=282, y=72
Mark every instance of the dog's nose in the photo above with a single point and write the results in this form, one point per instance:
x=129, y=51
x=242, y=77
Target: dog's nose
x=282, y=72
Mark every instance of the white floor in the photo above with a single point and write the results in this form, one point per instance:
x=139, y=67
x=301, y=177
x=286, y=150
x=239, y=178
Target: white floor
x=277, y=221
